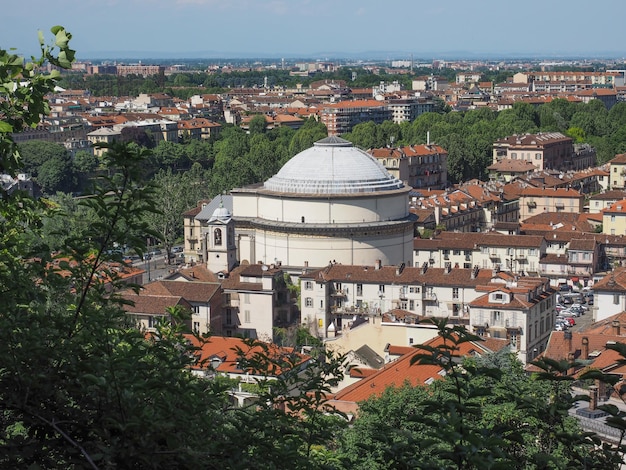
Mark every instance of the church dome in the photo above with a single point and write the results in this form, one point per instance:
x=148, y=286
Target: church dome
x=332, y=166
x=221, y=213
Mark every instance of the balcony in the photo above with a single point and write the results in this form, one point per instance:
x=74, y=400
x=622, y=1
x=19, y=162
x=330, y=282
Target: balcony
x=430, y=296
x=339, y=293
x=494, y=254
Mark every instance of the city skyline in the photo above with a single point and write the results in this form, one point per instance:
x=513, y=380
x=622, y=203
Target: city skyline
x=395, y=30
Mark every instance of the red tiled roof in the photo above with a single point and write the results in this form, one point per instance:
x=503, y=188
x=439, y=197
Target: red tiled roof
x=226, y=349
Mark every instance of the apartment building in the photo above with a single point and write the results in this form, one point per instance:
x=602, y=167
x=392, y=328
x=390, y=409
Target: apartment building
x=340, y=118
x=255, y=301
x=533, y=201
x=614, y=219
x=551, y=150
x=333, y=298
x=418, y=166
x=617, y=172
x=520, y=309
x=610, y=294
x=605, y=199
x=485, y=250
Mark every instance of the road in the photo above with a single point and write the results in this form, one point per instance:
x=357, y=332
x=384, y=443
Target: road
x=155, y=268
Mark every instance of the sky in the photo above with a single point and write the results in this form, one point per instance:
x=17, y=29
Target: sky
x=389, y=29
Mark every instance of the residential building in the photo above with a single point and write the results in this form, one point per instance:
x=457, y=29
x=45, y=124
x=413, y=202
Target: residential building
x=103, y=135
x=610, y=294
x=335, y=297
x=198, y=128
x=617, y=171
x=533, y=201
x=614, y=219
x=551, y=150
x=520, y=309
x=605, y=199
x=340, y=118
x=220, y=356
x=485, y=250
x=418, y=166
x=255, y=300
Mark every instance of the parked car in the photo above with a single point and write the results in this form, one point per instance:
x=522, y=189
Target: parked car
x=569, y=313
x=580, y=306
x=177, y=249
x=560, y=327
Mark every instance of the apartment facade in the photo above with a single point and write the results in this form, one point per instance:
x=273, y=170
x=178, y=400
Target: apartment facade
x=551, y=150
x=520, y=309
x=340, y=118
x=533, y=201
x=418, y=166
x=485, y=250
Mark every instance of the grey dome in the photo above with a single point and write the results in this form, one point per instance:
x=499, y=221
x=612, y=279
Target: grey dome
x=221, y=213
x=332, y=166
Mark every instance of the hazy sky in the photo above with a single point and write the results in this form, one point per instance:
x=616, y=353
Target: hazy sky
x=273, y=28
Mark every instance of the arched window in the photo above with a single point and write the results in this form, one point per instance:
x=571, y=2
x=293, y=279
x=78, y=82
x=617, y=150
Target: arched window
x=217, y=236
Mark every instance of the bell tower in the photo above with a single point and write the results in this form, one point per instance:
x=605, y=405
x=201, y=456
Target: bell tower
x=220, y=241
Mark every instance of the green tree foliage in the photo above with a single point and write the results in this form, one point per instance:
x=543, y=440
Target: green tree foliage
x=485, y=413
x=258, y=124
x=49, y=164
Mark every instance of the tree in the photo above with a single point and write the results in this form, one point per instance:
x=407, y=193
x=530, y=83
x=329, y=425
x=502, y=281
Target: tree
x=258, y=124
x=173, y=197
x=136, y=135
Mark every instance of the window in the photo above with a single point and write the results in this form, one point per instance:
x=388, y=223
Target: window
x=457, y=252
x=513, y=338
x=616, y=299
x=151, y=322
x=381, y=289
x=308, y=302
x=455, y=292
x=513, y=155
x=229, y=317
x=410, y=340
x=411, y=304
x=496, y=317
x=246, y=316
x=196, y=309
x=246, y=298
x=359, y=289
x=414, y=290
x=308, y=285
x=612, y=218
x=321, y=304
x=537, y=156
x=196, y=326
x=217, y=237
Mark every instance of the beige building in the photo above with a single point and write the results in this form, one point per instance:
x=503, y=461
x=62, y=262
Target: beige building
x=485, y=250
x=533, y=201
x=104, y=135
x=617, y=172
x=418, y=166
x=551, y=150
x=255, y=300
x=614, y=219
x=338, y=297
x=520, y=309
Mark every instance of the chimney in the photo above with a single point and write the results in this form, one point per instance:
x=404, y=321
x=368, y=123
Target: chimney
x=585, y=349
x=615, y=327
x=567, y=335
x=378, y=264
x=593, y=397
